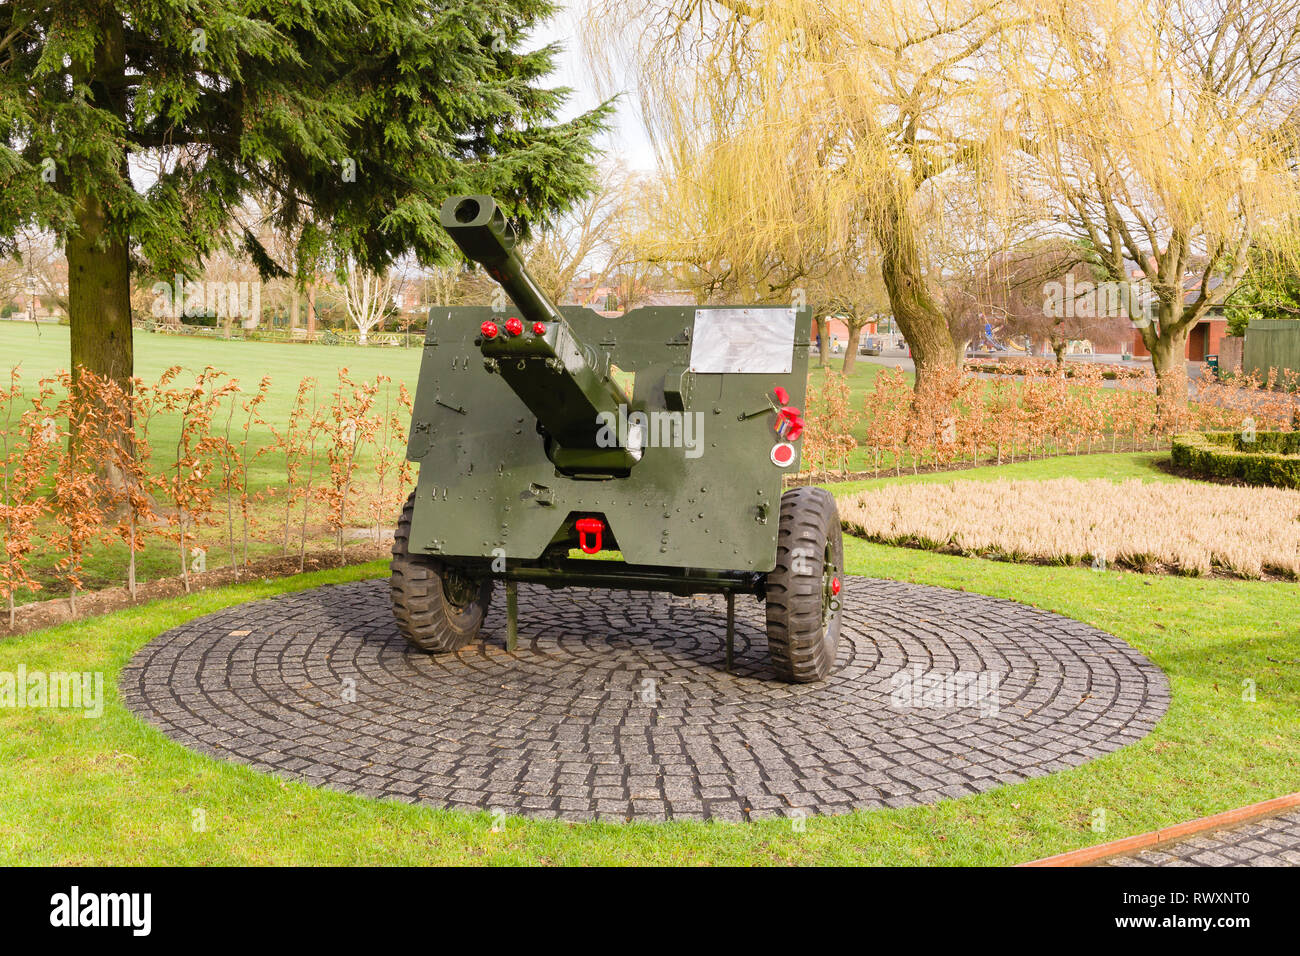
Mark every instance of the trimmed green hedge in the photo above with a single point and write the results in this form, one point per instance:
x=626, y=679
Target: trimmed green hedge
x=1273, y=458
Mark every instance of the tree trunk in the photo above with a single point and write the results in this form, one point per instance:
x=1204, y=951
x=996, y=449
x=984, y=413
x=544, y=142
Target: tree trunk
x=99, y=297
x=851, y=350
x=294, y=302
x=918, y=316
x=959, y=352
x=1169, y=359
x=311, y=309
x=1168, y=348
x=99, y=262
x=823, y=342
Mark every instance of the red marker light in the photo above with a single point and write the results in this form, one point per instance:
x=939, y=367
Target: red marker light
x=489, y=330
x=835, y=585
x=514, y=326
x=539, y=328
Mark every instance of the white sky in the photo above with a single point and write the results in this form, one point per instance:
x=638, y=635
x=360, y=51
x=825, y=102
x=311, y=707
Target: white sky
x=627, y=138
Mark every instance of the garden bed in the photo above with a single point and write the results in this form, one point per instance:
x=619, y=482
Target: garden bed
x=1150, y=527
x=38, y=615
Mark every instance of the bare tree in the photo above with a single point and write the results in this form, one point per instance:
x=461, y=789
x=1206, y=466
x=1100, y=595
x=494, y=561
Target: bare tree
x=368, y=297
x=39, y=264
x=850, y=288
x=12, y=281
x=593, y=237
x=1045, y=290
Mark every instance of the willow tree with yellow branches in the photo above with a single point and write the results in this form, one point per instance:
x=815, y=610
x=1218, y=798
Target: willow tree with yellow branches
x=1165, y=137
x=1160, y=132
x=790, y=129
x=689, y=232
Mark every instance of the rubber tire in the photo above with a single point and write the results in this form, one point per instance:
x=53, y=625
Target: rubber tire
x=801, y=649
x=425, y=617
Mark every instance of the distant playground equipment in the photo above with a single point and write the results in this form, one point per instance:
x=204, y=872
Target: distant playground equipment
x=1079, y=347
x=991, y=339
x=991, y=342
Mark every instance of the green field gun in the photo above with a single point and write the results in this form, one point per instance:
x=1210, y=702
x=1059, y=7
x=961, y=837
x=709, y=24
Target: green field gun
x=657, y=441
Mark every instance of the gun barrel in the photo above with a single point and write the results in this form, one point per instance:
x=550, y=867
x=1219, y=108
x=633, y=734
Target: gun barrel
x=564, y=382
x=477, y=225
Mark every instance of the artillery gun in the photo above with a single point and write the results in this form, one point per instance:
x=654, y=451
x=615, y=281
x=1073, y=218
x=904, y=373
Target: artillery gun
x=656, y=440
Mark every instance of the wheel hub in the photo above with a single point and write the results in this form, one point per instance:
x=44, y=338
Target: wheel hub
x=458, y=589
x=831, y=585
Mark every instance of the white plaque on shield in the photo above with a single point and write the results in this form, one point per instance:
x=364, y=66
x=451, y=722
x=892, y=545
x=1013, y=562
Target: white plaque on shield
x=743, y=340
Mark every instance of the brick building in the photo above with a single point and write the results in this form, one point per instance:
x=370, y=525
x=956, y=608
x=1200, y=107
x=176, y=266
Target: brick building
x=1204, y=337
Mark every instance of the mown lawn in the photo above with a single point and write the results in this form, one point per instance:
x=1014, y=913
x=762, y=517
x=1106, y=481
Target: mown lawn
x=114, y=791
x=1117, y=467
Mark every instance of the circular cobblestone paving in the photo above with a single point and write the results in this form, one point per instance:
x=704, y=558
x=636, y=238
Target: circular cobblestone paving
x=617, y=705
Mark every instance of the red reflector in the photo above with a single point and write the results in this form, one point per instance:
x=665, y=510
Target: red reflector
x=539, y=328
x=514, y=326
x=592, y=526
x=489, y=330
x=782, y=454
x=835, y=585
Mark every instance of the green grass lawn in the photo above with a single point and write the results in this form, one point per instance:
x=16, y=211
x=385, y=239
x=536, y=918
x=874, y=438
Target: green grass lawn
x=1117, y=467
x=114, y=791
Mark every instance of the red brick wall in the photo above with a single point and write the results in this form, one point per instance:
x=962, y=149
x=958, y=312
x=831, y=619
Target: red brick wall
x=840, y=330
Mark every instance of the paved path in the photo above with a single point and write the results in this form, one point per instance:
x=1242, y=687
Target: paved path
x=617, y=706
x=1272, y=841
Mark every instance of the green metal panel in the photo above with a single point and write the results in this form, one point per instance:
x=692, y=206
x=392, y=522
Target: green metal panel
x=488, y=489
x=1271, y=343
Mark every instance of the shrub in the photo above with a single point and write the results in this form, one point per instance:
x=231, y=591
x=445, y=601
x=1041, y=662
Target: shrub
x=1272, y=458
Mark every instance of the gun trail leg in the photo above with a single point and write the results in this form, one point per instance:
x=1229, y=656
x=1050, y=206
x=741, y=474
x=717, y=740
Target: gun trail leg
x=512, y=615
x=731, y=629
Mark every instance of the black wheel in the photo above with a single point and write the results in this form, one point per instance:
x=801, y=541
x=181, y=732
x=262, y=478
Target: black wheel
x=438, y=608
x=803, y=591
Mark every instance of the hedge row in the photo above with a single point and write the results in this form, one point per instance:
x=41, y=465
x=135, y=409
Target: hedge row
x=1271, y=458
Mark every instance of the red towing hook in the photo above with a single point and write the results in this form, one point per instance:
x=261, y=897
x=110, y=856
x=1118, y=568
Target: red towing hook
x=586, y=526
